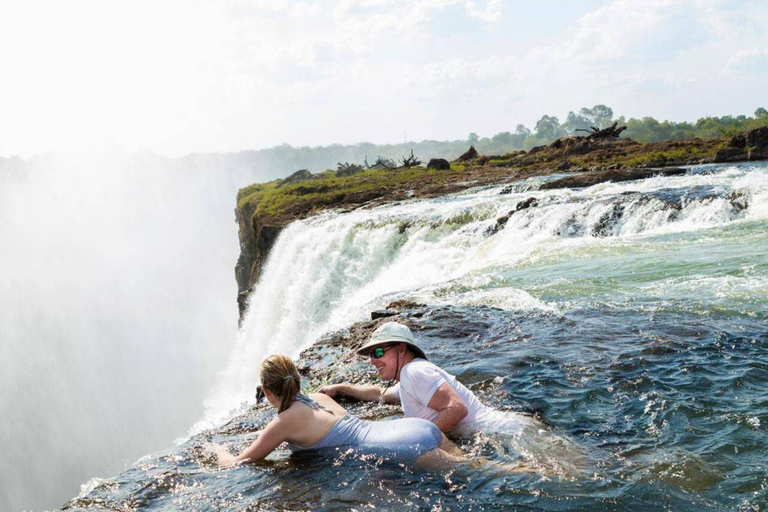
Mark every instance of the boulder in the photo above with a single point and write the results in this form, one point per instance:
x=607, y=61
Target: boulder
x=752, y=145
x=531, y=202
x=382, y=313
x=440, y=164
x=300, y=175
x=470, y=154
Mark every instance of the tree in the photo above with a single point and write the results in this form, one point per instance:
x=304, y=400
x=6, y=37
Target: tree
x=575, y=122
x=761, y=113
x=548, y=127
x=473, y=138
x=518, y=138
x=522, y=131
x=503, y=139
x=599, y=116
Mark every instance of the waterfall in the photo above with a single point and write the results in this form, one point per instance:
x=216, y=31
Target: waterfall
x=331, y=270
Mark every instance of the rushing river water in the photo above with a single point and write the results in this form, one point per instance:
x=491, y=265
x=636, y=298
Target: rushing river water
x=631, y=316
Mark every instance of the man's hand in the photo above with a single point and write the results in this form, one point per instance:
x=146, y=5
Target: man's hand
x=331, y=390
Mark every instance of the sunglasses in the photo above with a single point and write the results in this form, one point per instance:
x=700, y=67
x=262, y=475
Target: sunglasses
x=379, y=352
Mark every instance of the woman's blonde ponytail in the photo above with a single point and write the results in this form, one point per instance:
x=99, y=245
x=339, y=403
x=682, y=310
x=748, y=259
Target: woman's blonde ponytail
x=280, y=376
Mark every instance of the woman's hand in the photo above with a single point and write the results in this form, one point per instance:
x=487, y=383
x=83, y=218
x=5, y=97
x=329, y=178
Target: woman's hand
x=222, y=454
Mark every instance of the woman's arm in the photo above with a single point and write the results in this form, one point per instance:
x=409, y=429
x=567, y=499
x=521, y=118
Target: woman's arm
x=271, y=437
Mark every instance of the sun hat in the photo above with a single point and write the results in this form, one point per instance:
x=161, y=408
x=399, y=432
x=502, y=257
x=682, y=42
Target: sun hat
x=391, y=332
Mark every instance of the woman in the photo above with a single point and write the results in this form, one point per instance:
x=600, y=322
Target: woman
x=317, y=421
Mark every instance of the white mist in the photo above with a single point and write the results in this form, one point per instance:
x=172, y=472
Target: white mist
x=117, y=303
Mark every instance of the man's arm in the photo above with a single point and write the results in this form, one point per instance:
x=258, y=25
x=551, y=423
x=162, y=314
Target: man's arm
x=368, y=392
x=451, y=409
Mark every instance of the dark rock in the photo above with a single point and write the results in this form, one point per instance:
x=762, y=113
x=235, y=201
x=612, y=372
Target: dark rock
x=404, y=304
x=242, y=299
x=528, y=203
x=757, y=142
x=588, y=179
x=256, y=240
x=382, y=313
x=301, y=175
x=738, y=141
x=440, y=164
x=752, y=145
x=349, y=170
x=572, y=228
x=537, y=149
x=738, y=200
x=559, y=143
x=606, y=224
x=730, y=155
x=502, y=221
x=470, y=154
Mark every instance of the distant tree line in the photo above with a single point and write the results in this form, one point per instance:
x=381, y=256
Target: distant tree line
x=647, y=129
x=279, y=161
x=245, y=167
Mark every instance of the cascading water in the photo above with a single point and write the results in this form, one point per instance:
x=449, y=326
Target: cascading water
x=331, y=270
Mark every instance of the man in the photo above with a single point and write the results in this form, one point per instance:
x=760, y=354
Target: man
x=424, y=389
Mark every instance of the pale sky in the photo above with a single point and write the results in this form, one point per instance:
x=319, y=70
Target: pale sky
x=181, y=76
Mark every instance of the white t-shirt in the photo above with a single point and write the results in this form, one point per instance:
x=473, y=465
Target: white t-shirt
x=419, y=380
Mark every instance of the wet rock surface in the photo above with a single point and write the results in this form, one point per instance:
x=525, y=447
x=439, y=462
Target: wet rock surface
x=588, y=179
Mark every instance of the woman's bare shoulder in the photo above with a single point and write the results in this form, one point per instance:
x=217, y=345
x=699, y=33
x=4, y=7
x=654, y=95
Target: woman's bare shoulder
x=328, y=402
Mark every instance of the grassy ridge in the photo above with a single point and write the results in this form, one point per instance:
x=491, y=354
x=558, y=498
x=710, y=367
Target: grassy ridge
x=326, y=188
x=283, y=200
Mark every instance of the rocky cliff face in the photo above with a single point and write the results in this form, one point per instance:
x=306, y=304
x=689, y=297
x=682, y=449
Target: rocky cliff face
x=257, y=234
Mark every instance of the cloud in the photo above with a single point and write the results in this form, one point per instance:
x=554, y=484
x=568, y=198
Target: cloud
x=628, y=32
x=494, y=10
x=233, y=74
x=751, y=60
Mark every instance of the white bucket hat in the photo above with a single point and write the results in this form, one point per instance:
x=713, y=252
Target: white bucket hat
x=391, y=332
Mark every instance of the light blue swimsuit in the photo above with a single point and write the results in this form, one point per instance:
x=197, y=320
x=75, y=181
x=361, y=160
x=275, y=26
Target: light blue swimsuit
x=402, y=440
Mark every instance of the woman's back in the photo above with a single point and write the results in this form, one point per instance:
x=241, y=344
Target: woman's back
x=306, y=425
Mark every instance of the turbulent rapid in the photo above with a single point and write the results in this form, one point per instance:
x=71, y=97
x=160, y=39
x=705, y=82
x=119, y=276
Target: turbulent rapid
x=631, y=316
